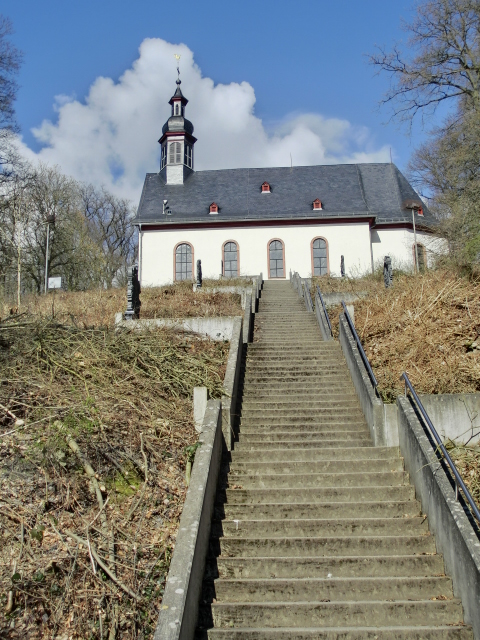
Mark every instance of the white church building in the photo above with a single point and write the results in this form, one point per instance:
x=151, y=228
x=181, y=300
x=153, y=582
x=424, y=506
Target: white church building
x=272, y=220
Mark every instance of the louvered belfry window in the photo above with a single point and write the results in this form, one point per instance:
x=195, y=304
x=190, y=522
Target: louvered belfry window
x=188, y=155
x=183, y=262
x=320, y=263
x=275, y=256
x=230, y=259
x=175, y=156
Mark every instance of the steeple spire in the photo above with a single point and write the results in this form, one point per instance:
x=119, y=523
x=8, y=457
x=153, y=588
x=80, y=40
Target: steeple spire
x=177, y=139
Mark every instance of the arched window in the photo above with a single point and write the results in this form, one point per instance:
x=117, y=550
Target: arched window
x=276, y=259
x=230, y=259
x=175, y=156
x=183, y=261
x=422, y=257
x=177, y=108
x=319, y=257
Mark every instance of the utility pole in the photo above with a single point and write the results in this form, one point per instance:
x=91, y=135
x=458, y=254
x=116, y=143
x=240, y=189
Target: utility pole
x=415, y=241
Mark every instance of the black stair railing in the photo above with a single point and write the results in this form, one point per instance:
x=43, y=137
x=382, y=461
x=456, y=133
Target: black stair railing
x=307, y=296
x=459, y=483
x=360, y=348
x=325, y=312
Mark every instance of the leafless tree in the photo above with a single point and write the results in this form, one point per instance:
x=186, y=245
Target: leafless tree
x=10, y=60
x=110, y=223
x=447, y=168
x=445, y=64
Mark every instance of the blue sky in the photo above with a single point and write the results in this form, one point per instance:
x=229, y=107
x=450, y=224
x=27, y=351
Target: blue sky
x=299, y=59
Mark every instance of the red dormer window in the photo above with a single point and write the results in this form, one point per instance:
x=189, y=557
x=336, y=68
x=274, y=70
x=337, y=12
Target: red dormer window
x=214, y=208
x=317, y=204
x=266, y=188
x=420, y=211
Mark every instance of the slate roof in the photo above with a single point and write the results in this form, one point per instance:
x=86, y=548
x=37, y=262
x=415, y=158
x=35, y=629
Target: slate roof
x=345, y=190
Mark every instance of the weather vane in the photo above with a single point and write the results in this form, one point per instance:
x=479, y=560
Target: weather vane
x=177, y=57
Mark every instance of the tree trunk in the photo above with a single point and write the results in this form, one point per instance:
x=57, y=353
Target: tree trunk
x=19, y=275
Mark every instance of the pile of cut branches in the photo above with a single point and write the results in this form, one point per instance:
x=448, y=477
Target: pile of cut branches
x=95, y=425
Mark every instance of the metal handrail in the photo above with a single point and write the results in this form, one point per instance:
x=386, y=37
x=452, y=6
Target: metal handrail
x=360, y=348
x=307, y=297
x=451, y=464
x=324, y=310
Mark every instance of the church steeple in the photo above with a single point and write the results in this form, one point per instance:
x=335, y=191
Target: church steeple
x=176, y=161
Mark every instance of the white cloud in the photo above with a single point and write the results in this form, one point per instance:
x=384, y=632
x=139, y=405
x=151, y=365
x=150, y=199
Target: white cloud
x=111, y=137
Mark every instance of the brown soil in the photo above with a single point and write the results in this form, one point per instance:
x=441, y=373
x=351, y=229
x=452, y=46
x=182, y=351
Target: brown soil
x=125, y=399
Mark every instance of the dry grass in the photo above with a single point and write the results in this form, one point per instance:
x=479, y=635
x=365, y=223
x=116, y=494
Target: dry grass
x=368, y=284
x=428, y=326
x=98, y=307
x=125, y=399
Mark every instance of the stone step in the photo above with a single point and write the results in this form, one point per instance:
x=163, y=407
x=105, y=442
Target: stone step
x=300, y=390
x=324, y=528
x=312, y=480
x=293, y=445
x=310, y=400
x=441, y=632
x=253, y=397
x=294, y=368
x=325, y=426
x=283, y=362
x=343, y=567
x=293, y=341
x=317, y=355
x=322, y=614
x=386, y=509
x=267, y=380
x=317, y=454
x=330, y=347
x=319, y=494
x=254, y=436
x=371, y=465
x=314, y=404
x=326, y=546
x=333, y=589
x=266, y=419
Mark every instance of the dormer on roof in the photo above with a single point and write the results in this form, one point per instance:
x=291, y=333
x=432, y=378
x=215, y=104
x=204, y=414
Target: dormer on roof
x=266, y=188
x=213, y=208
x=317, y=204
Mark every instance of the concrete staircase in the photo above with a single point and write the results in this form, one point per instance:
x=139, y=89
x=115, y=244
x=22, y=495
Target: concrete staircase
x=322, y=537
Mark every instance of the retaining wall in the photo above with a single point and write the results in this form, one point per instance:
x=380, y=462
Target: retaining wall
x=215, y=328
x=380, y=418
x=457, y=538
x=230, y=384
x=455, y=415
x=179, y=609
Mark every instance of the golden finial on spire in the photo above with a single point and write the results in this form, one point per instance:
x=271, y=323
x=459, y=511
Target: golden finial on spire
x=177, y=57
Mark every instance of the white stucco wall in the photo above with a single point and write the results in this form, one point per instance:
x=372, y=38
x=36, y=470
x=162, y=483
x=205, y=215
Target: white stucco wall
x=350, y=239
x=399, y=243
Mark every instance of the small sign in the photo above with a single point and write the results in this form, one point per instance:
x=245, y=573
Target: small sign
x=55, y=283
